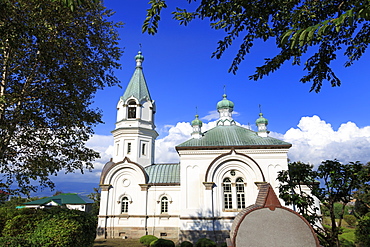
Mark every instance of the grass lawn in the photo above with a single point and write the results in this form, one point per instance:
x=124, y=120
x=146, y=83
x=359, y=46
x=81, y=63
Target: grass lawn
x=348, y=234
x=116, y=242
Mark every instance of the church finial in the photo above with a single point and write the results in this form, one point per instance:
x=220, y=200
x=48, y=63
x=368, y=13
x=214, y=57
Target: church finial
x=139, y=58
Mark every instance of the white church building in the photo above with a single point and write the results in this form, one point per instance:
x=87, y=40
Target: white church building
x=218, y=175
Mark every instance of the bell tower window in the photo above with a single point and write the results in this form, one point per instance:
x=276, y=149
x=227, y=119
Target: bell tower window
x=129, y=148
x=143, y=149
x=131, y=110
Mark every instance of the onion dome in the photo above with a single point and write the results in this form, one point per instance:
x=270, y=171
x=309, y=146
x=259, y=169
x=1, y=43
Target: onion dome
x=197, y=121
x=139, y=56
x=139, y=59
x=197, y=127
x=225, y=104
x=261, y=120
x=261, y=123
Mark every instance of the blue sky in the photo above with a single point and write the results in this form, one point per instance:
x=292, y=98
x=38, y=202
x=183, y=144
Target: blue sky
x=182, y=76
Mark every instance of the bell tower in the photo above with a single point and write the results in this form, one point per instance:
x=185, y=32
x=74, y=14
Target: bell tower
x=135, y=133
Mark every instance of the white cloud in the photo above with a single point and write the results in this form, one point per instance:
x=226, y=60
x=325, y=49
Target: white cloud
x=315, y=140
x=100, y=143
x=212, y=115
x=165, y=148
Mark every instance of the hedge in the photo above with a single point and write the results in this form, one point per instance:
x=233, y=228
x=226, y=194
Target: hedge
x=147, y=239
x=162, y=243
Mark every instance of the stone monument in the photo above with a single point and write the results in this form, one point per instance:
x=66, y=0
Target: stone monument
x=268, y=223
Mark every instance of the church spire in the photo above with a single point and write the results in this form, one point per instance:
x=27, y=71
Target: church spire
x=135, y=133
x=137, y=86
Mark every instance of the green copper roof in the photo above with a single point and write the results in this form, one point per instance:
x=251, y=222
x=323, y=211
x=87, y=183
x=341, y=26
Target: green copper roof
x=225, y=103
x=163, y=173
x=261, y=119
x=137, y=86
x=62, y=199
x=197, y=121
x=233, y=136
x=139, y=56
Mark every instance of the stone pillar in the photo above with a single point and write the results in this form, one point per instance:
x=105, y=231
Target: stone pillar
x=208, y=199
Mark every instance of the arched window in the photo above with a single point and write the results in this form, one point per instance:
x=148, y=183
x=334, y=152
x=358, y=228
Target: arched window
x=240, y=195
x=131, y=109
x=164, y=205
x=124, y=203
x=228, y=202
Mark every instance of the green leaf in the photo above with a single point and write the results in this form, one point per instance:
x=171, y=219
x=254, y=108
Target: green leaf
x=295, y=38
x=285, y=37
x=302, y=38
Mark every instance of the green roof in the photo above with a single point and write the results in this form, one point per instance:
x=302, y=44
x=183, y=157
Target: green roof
x=137, y=86
x=197, y=121
x=262, y=120
x=163, y=173
x=62, y=199
x=225, y=103
x=233, y=136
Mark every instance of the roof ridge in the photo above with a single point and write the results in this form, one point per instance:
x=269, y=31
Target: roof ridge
x=233, y=136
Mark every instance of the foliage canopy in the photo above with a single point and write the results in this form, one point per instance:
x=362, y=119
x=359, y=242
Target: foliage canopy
x=52, y=62
x=48, y=227
x=325, y=26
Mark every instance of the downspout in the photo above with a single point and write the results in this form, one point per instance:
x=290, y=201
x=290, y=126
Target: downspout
x=155, y=195
x=146, y=211
x=106, y=216
x=213, y=215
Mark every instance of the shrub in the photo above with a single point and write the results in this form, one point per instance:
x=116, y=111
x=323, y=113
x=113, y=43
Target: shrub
x=147, y=239
x=160, y=242
x=362, y=232
x=49, y=227
x=350, y=219
x=186, y=244
x=18, y=241
x=205, y=242
x=64, y=227
x=346, y=243
x=22, y=223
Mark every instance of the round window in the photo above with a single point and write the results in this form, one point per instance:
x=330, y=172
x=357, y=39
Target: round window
x=126, y=182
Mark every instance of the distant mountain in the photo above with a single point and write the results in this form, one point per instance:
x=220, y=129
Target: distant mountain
x=68, y=187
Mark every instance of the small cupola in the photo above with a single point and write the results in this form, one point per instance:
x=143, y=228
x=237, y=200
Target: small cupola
x=225, y=108
x=197, y=127
x=139, y=58
x=262, y=123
